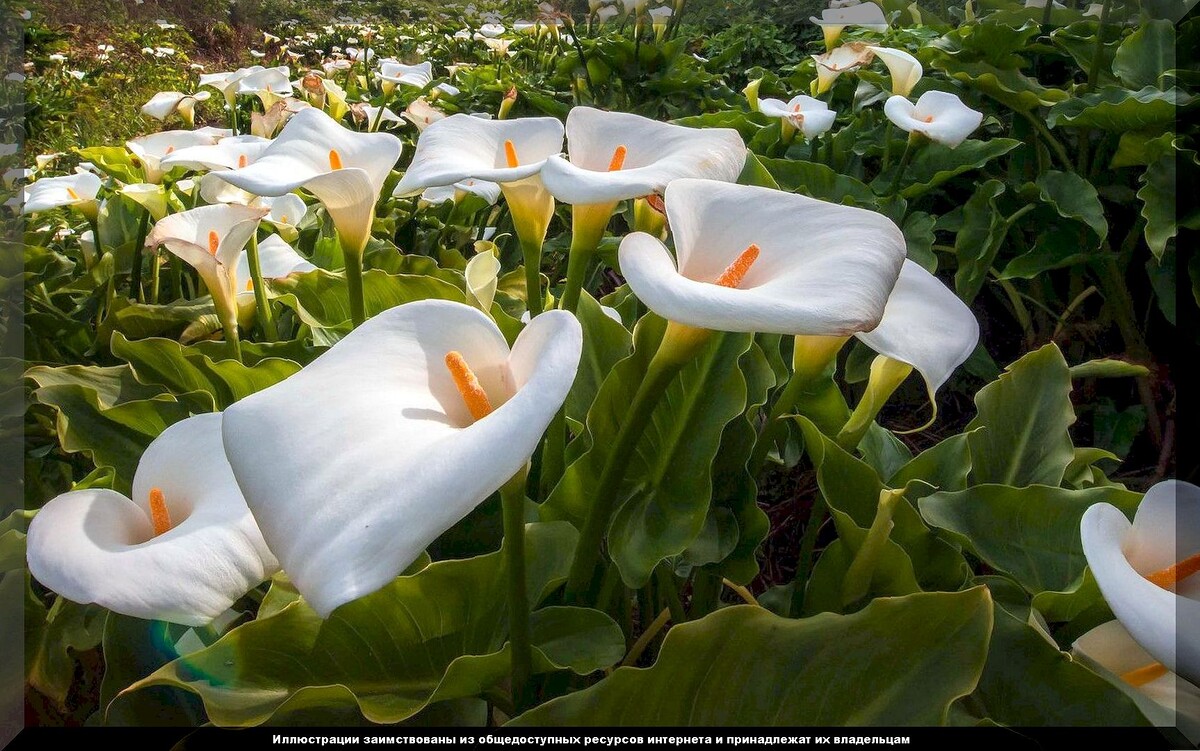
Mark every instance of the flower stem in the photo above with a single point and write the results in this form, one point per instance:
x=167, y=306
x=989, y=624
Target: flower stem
x=588, y=222
x=135, y=279
x=512, y=496
x=155, y=273
x=231, y=339
x=816, y=519
x=1093, y=75
x=679, y=345
x=261, y=304
x=354, y=285
x=532, y=256
x=905, y=159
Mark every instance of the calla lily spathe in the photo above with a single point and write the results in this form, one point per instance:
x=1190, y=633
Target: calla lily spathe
x=77, y=190
x=152, y=149
x=398, y=74
x=812, y=117
x=1147, y=571
x=924, y=325
x=616, y=156
x=344, y=169
x=461, y=147
x=97, y=546
x=904, y=69
x=228, y=153
x=1166, y=699
x=937, y=115
x=834, y=20
x=488, y=191
x=276, y=260
x=838, y=61
x=210, y=239
x=818, y=268
x=166, y=103
x=412, y=459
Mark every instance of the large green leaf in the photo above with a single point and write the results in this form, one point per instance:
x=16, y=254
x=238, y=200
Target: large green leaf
x=935, y=164
x=1028, y=682
x=320, y=297
x=1074, y=198
x=1158, y=194
x=186, y=369
x=140, y=320
x=106, y=414
x=1146, y=54
x=52, y=638
x=1119, y=110
x=605, y=343
x=818, y=181
x=978, y=240
x=851, y=488
x=435, y=635
x=735, y=489
x=744, y=666
x=133, y=649
x=671, y=471
x=1031, y=532
x=1021, y=431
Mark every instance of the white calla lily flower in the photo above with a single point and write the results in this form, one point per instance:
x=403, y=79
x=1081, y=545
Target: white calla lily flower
x=937, y=115
x=924, y=325
x=166, y=103
x=1166, y=699
x=422, y=114
x=1148, y=570
x=287, y=210
x=616, y=156
x=184, y=549
x=440, y=414
x=486, y=190
x=210, y=239
x=268, y=84
x=233, y=152
x=760, y=260
x=344, y=169
x=152, y=149
x=77, y=190
x=812, y=117
x=838, y=61
x=482, y=276
x=376, y=116
x=398, y=74
x=904, y=69
x=833, y=20
x=461, y=147
x=492, y=30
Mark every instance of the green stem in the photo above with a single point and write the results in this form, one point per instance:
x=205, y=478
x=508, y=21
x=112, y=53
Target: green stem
x=554, y=453
x=1060, y=151
x=532, y=253
x=97, y=246
x=354, y=285
x=135, y=279
x=905, y=159
x=816, y=519
x=706, y=593
x=887, y=145
x=176, y=277
x=666, y=363
x=232, y=340
x=578, y=262
x=155, y=274
x=261, y=304
x=667, y=588
x=1093, y=75
x=512, y=496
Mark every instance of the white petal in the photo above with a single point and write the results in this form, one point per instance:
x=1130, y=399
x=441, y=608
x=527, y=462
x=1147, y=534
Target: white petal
x=276, y=260
x=304, y=149
x=823, y=268
x=99, y=546
x=867, y=14
x=418, y=76
x=1166, y=528
x=900, y=111
x=904, y=69
x=228, y=153
x=52, y=192
x=461, y=147
x=925, y=325
x=349, y=494
x=937, y=114
x=287, y=209
x=1149, y=612
x=656, y=153
x=162, y=104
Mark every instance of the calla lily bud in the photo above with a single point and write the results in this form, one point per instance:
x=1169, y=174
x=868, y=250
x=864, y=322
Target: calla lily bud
x=506, y=105
x=482, y=273
x=751, y=92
